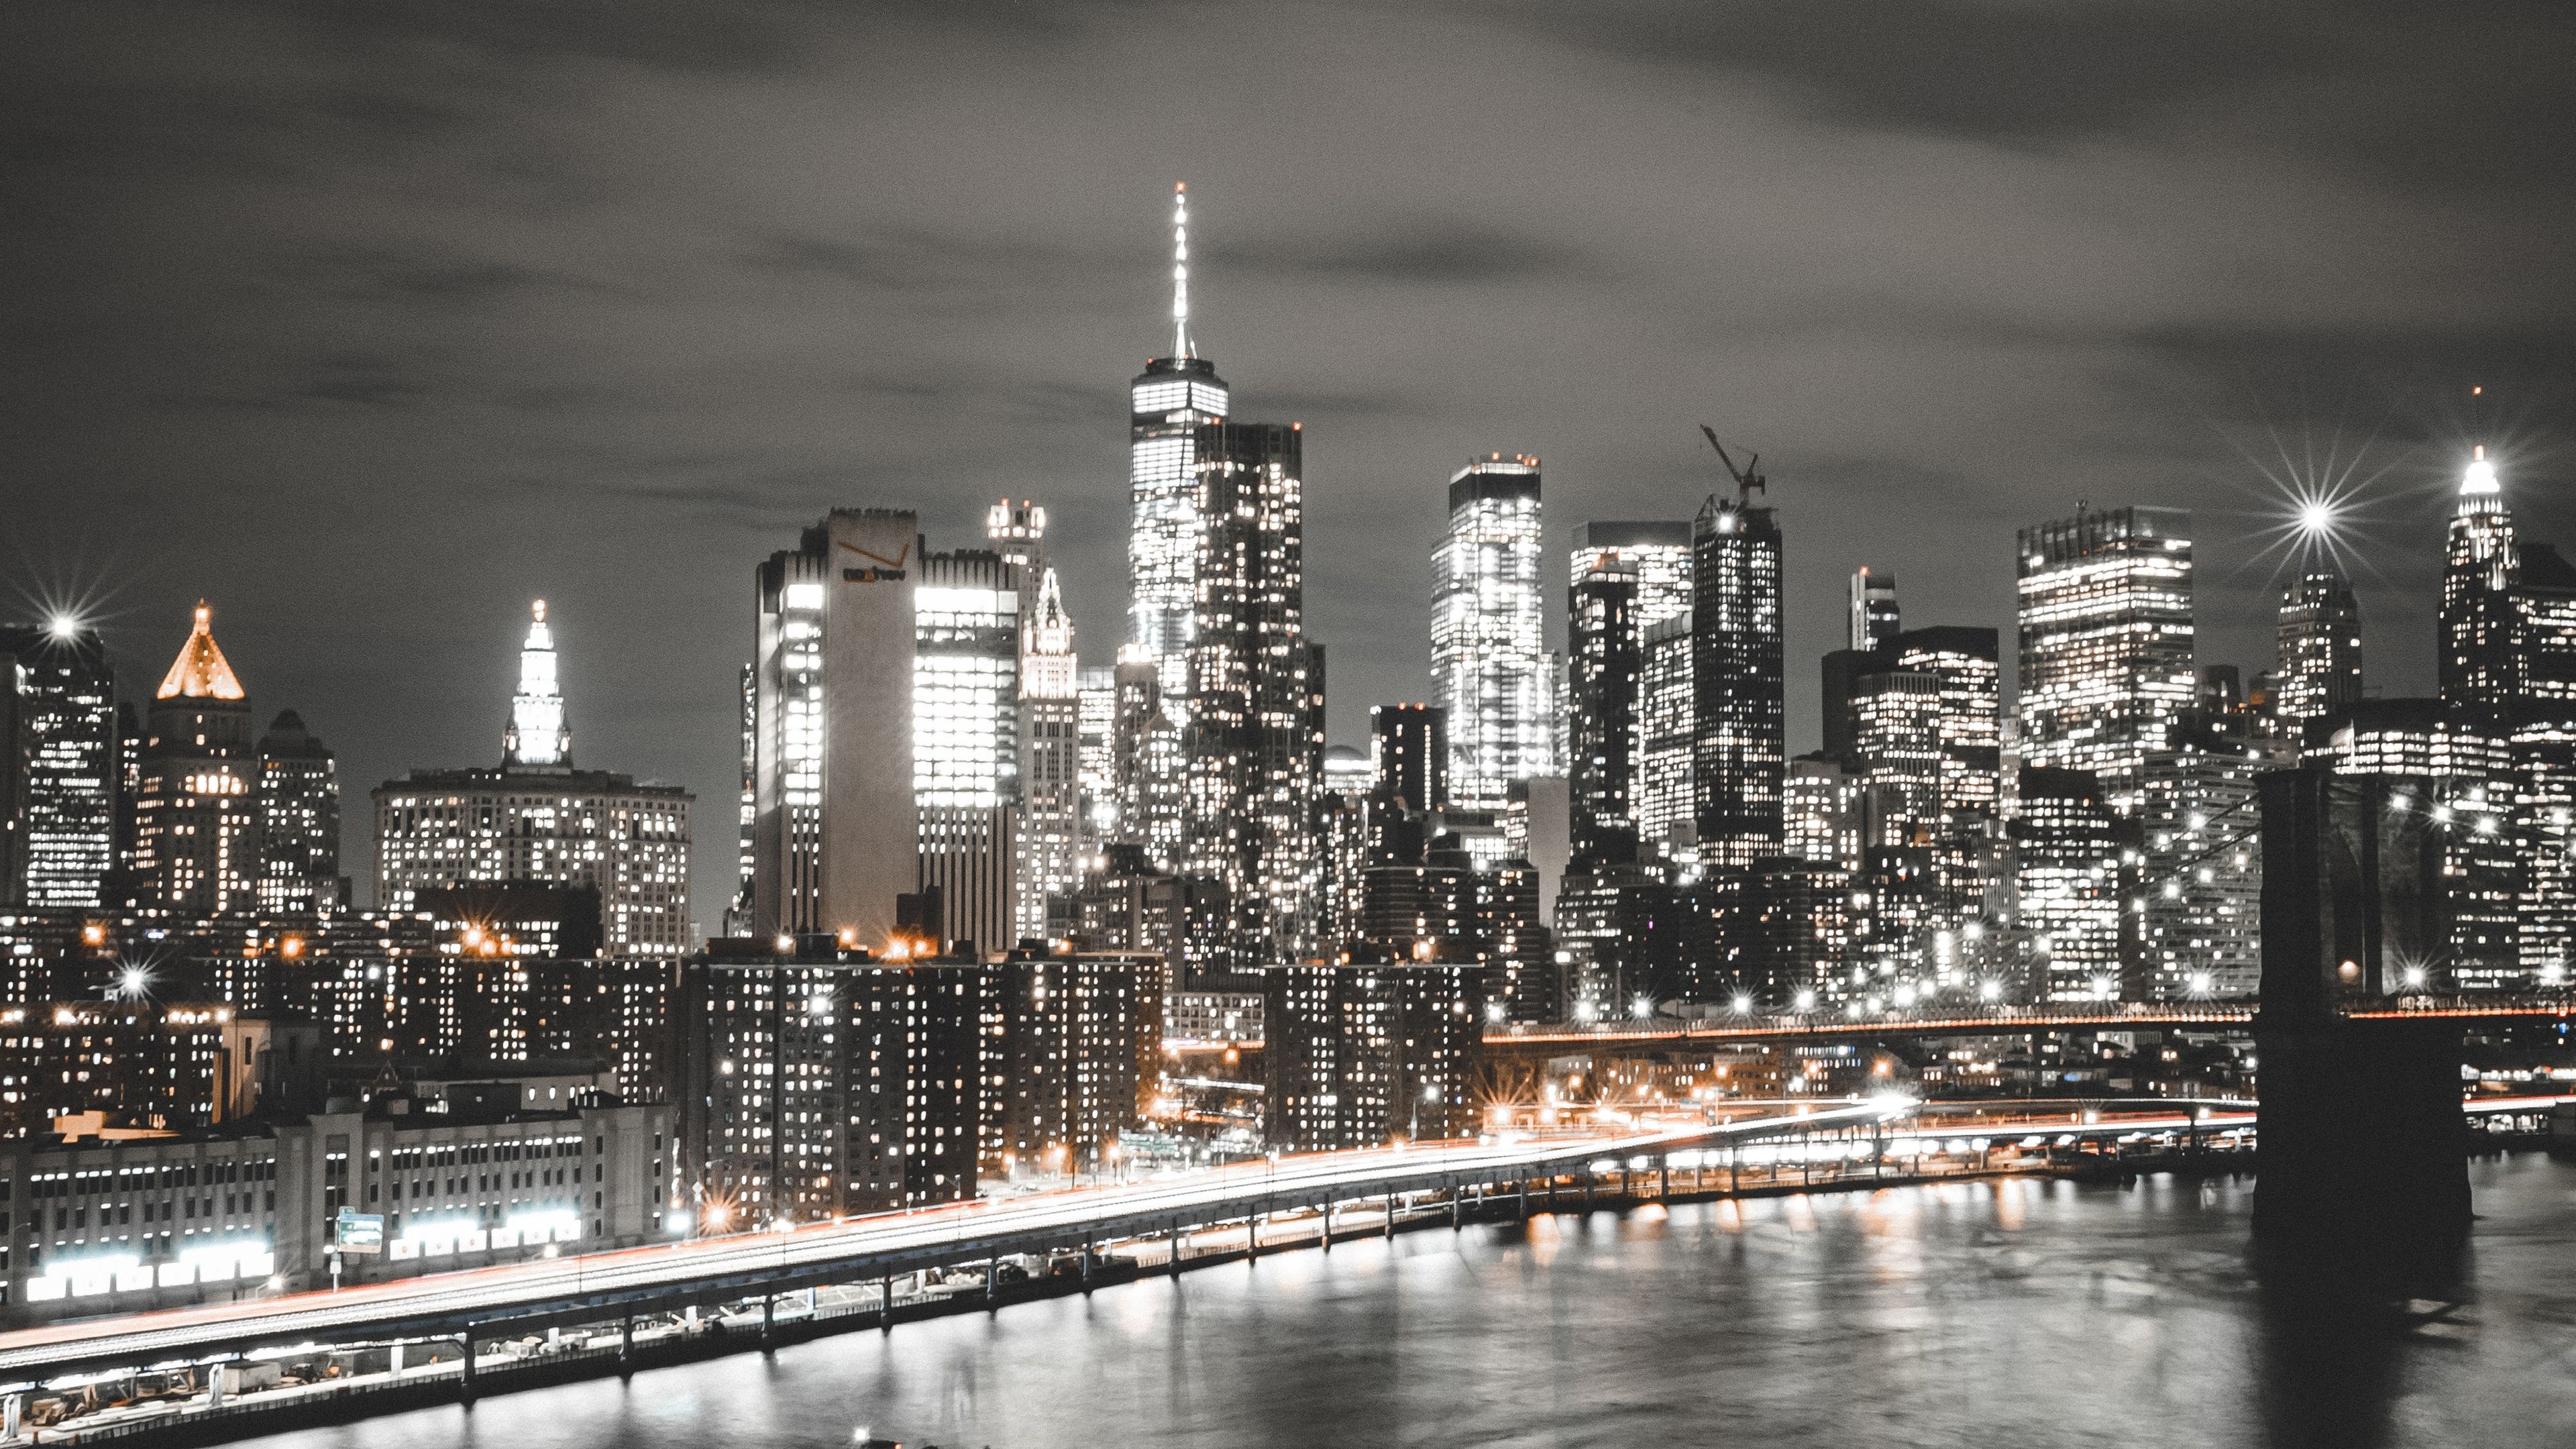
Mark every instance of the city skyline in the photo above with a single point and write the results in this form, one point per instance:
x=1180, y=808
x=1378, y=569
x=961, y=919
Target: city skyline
x=393, y=638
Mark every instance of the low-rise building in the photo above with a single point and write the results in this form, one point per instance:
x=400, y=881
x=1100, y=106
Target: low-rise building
x=126, y=1221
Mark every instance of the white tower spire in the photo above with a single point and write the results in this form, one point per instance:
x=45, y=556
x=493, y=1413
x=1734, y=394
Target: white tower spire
x=537, y=736
x=1180, y=269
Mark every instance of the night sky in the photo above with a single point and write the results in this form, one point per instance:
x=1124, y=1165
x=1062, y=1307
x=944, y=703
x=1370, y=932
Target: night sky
x=371, y=322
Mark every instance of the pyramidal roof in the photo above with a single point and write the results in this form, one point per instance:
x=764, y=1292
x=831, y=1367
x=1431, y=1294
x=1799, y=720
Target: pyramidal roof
x=200, y=671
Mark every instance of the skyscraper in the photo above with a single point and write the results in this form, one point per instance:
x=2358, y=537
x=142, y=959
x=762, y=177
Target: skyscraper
x=1627, y=577
x=2478, y=566
x=838, y=838
x=2201, y=865
x=299, y=821
x=2459, y=769
x=1667, y=730
x=1898, y=713
x=1738, y=725
x=2106, y=642
x=1489, y=662
x=1167, y=404
x=538, y=820
x=59, y=772
x=1822, y=812
x=2508, y=673
x=966, y=740
x=1051, y=826
x=1657, y=551
x=1255, y=764
x=2320, y=663
x=196, y=832
x=1149, y=766
x=1602, y=675
x=2544, y=761
x=1962, y=663
x=1873, y=609
x=1409, y=755
x=2067, y=843
x=1096, y=710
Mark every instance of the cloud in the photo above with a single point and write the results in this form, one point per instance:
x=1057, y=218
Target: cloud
x=450, y=305
x=1417, y=252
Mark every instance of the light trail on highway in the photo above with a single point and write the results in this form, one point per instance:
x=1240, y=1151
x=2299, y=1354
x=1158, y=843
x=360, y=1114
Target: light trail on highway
x=154, y=1337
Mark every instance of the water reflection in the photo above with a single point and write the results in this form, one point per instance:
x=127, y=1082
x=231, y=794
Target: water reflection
x=2025, y=1314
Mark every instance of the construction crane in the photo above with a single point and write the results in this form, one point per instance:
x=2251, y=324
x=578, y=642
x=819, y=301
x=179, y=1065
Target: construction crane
x=1748, y=480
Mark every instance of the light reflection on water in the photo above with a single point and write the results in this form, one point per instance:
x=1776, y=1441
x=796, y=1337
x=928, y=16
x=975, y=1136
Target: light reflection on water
x=1993, y=1315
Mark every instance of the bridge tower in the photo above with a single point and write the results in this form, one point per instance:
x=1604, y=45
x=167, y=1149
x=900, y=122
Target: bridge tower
x=2364, y=1151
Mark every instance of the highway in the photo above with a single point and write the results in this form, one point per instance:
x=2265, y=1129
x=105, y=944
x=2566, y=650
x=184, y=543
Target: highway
x=521, y=1297
x=1757, y=1027
x=708, y=1269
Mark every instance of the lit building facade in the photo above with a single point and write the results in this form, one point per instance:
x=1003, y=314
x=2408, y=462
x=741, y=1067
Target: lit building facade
x=966, y=741
x=1167, y=405
x=1874, y=618
x=836, y=834
x=2106, y=642
x=823, y=1082
x=2320, y=661
x=1898, y=739
x=2066, y=840
x=2479, y=561
x=1051, y=775
x=196, y=811
x=1821, y=811
x=2460, y=756
x=299, y=821
x=1738, y=697
x=58, y=766
x=1253, y=739
x=1096, y=721
x=1602, y=675
x=537, y=820
x=2200, y=875
x=1667, y=818
x=1074, y=1044
x=1627, y=577
x=1362, y=1054
x=129, y=1226
x=537, y=737
x=1489, y=663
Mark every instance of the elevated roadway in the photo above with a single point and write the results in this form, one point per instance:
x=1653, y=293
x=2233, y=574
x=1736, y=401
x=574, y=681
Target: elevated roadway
x=1757, y=1028
x=530, y=1297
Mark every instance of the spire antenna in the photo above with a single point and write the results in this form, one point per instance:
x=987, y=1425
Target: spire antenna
x=1180, y=269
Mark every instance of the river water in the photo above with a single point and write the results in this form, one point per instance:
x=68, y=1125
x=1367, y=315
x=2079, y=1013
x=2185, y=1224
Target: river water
x=1986, y=1315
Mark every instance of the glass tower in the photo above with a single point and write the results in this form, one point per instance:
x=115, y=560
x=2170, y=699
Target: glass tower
x=2106, y=642
x=2320, y=664
x=1489, y=663
x=1626, y=578
x=1738, y=748
x=58, y=766
x=1166, y=404
x=1255, y=764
